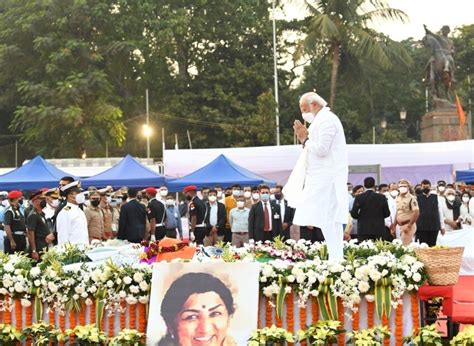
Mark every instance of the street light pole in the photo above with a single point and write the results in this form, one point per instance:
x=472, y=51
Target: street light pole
x=275, y=77
x=147, y=124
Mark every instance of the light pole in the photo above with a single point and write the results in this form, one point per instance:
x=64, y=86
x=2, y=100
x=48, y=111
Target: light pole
x=403, y=114
x=146, y=127
x=275, y=77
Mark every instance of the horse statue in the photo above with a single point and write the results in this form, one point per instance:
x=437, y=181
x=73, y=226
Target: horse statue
x=440, y=67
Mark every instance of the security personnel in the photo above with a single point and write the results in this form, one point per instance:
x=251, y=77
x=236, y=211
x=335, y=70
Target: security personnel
x=197, y=213
x=407, y=212
x=38, y=229
x=94, y=217
x=14, y=224
x=71, y=222
x=156, y=214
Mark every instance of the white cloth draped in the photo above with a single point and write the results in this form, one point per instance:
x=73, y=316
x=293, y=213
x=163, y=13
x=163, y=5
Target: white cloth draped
x=463, y=237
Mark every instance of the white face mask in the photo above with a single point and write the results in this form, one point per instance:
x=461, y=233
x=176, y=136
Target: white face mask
x=465, y=199
x=450, y=198
x=212, y=199
x=219, y=194
x=394, y=193
x=55, y=203
x=109, y=199
x=236, y=193
x=308, y=117
x=163, y=193
x=272, y=197
x=81, y=199
x=247, y=194
x=403, y=189
x=441, y=189
x=256, y=196
x=5, y=203
x=169, y=202
x=240, y=204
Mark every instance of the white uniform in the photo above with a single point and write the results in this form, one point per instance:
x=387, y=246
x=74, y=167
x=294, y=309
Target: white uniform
x=71, y=225
x=317, y=187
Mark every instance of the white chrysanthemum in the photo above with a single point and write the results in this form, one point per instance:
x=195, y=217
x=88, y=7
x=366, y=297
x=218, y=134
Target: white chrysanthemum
x=52, y=287
x=127, y=280
x=363, y=286
x=138, y=277
x=35, y=271
x=417, y=277
x=144, y=286
x=131, y=300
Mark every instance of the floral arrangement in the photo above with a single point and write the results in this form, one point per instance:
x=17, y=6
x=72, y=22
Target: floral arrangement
x=369, y=337
x=151, y=249
x=466, y=337
x=321, y=333
x=427, y=335
x=15, y=269
x=41, y=334
x=128, y=337
x=9, y=335
x=270, y=336
x=89, y=335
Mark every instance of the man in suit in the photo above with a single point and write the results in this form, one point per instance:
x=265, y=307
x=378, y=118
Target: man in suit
x=132, y=222
x=264, y=217
x=215, y=220
x=370, y=210
x=287, y=212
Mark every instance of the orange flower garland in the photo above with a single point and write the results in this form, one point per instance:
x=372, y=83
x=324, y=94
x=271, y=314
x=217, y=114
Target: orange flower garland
x=111, y=325
x=7, y=315
x=62, y=321
x=18, y=314
x=52, y=317
x=386, y=342
x=29, y=315
x=132, y=322
x=370, y=314
x=356, y=319
x=341, y=338
x=122, y=315
x=399, y=325
x=258, y=311
x=92, y=313
x=314, y=310
x=415, y=313
x=268, y=313
x=141, y=317
x=290, y=314
x=72, y=319
x=82, y=315
x=302, y=317
x=102, y=323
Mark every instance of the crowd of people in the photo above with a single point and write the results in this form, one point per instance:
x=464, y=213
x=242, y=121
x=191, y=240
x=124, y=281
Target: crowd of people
x=233, y=214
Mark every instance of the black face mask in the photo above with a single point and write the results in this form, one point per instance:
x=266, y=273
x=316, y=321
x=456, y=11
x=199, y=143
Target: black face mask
x=278, y=196
x=189, y=197
x=124, y=197
x=43, y=204
x=227, y=194
x=418, y=191
x=426, y=190
x=95, y=203
x=20, y=202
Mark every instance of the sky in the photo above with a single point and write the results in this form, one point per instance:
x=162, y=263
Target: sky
x=433, y=13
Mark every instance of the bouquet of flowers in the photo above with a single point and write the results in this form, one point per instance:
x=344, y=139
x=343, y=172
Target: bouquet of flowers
x=270, y=336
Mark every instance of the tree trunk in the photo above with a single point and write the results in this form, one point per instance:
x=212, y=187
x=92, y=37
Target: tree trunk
x=334, y=70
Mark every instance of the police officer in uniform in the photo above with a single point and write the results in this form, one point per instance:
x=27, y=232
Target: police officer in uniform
x=407, y=213
x=197, y=213
x=71, y=222
x=38, y=229
x=14, y=224
x=156, y=214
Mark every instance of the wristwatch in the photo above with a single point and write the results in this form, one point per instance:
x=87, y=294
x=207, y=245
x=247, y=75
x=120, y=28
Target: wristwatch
x=304, y=143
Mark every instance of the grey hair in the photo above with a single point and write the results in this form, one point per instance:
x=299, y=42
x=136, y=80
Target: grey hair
x=311, y=97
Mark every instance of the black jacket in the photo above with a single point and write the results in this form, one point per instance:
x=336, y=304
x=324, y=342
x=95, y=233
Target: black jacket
x=132, y=222
x=429, y=220
x=370, y=209
x=256, y=221
x=221, y=218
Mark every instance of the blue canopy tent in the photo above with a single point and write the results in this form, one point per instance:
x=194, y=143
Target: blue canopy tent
x=33, y=175
x=465, y=176
x=221, y=171
x=128, y=172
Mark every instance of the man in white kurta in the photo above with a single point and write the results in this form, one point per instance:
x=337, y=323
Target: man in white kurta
x=317, y=187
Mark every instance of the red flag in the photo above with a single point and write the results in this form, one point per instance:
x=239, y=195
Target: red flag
x=460, y=111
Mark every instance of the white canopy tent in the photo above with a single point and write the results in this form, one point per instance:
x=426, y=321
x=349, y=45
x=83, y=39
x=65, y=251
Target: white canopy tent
x=411, y=161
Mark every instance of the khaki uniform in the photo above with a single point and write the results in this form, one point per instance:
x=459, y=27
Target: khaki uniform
x=107, y=213
x=95, y=223
x=406, y=207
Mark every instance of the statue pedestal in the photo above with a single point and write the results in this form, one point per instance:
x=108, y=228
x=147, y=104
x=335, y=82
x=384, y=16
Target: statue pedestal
x=442, y=125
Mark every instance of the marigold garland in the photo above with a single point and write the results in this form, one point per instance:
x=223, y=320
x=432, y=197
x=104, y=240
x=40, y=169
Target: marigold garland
x=18, y=314
x=92, y=313
x=82, y=315
x=29, y=315
x=259, y=311
x=356, y=319
x=122, y=315
x=141, y=317
x=62, y=322
x=52, y=317
x=341, y=338
x=385, y=323
x=314, y=310
x=279, y=321
x=268, y=313
x=132, y=312
x=370, y=314
x=415, y=313
x=399, y=325
x=303, y=317
x=72, y=319
x=111, y=325
x=290, y=314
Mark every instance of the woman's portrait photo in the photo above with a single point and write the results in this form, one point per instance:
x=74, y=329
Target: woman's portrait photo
x=196, y=304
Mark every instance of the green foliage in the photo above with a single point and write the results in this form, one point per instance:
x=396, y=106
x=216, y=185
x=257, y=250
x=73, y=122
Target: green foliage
x=427, y=335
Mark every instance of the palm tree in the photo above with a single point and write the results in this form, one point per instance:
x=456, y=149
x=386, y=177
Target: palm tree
x=341, y=27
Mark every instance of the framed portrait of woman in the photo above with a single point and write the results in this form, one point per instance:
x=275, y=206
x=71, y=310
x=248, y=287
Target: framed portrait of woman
x=194, y=304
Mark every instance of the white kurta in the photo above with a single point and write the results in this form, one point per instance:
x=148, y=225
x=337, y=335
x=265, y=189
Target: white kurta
x=71, y=225
x=317, y=187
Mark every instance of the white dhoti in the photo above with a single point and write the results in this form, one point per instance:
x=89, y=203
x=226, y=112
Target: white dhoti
x=317, y=187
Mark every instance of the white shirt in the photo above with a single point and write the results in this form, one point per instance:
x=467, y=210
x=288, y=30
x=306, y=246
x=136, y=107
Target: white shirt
x=268, y=205
x=392, y=206
x=71, y=225
x=213, y=214
x=281, y=203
